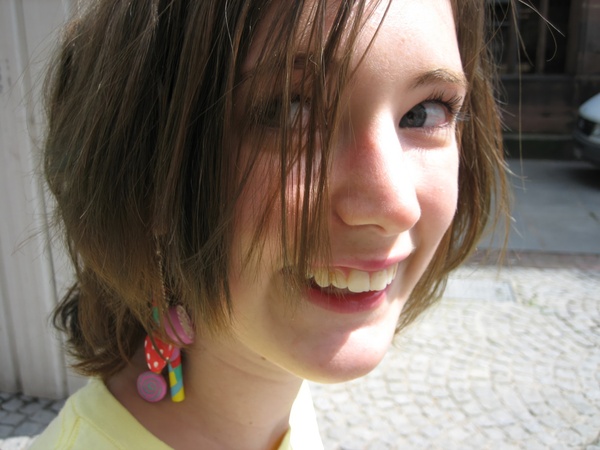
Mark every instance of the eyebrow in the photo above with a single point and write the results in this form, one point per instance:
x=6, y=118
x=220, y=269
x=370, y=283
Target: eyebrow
x=441, y=76
x=300, y=62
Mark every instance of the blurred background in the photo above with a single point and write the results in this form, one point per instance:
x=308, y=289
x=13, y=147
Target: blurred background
x=548, y=53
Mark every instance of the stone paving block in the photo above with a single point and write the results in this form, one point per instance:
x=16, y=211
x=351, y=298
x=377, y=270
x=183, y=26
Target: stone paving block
x=472, y=409
x=340, y=397
x=336, y=433
x=12, y=419
x=548, y=440
x=439, y=393
x=31, y=408
x=5, y=431
x=476, y=441
x=458, y=434
x=551, y=420
x=12, y=405
x=586, y=430
x=533, y=427
x=418, y=388
x=516, y=432
x=398, y=391
x=481, y=423
x=487, y=398
x=502, y=418
x=29, y=429
x=45, y=401
x=390, y=442
x=433, y=413
x=532, y=444
x=418, y=441
x=484, y=290
x=57, y=405
x=430, y=432
x=580, y=403
x=530, y=395
x=566, y=385
x=43, y=417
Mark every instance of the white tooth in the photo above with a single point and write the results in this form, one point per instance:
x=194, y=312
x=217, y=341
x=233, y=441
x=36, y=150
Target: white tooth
x=338, y=279
x=321, y=278
x=390, y=273
x=379, y=280
x=358, y=281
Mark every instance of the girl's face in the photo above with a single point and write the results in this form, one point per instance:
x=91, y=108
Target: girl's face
x=393, y=193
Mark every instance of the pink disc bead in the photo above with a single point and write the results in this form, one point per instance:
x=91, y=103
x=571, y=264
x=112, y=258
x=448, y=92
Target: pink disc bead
x=179, y=327
x=151, y=386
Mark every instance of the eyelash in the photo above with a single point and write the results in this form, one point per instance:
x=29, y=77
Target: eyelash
x=269, y=113
x=452, y=104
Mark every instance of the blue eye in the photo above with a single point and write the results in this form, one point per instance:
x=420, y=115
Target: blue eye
x=429, y=114
x=271, y=114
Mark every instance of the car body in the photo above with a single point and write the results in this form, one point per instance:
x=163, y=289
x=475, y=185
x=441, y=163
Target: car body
x=587, y=131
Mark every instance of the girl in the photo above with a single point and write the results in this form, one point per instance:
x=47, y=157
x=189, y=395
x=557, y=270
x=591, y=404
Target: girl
x=255, y=193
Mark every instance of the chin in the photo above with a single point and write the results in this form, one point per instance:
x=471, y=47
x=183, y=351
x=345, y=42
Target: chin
x=345, y=373
x=342, y=369
x=361, y=352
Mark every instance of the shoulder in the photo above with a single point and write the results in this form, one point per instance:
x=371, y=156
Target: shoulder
x=93, y=418
x=304, y=431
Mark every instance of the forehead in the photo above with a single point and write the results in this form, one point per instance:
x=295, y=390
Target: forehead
x=409, y=28
x=411, y=36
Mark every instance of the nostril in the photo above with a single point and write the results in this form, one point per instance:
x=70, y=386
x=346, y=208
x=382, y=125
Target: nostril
x=388, y=211
x=392, y=217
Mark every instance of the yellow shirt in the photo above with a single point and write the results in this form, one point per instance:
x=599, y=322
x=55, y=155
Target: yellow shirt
x=93, y=419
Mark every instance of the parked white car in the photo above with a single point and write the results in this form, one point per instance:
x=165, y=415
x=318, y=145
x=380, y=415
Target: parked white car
x=587, y=131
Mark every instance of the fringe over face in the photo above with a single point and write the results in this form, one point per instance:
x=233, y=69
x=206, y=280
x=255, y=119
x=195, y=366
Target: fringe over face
x=141, y=100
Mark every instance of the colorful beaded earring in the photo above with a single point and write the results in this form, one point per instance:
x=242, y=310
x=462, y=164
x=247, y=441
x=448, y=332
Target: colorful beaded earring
x=151, y=385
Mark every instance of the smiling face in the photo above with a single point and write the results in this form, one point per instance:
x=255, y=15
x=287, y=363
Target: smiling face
x=392, y=194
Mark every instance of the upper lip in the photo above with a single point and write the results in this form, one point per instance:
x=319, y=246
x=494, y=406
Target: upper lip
x=369, y=264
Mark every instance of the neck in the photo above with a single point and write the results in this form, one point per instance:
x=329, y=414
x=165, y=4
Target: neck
x=231, y=400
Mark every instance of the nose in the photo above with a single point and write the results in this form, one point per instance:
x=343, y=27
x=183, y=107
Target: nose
x=374, y=182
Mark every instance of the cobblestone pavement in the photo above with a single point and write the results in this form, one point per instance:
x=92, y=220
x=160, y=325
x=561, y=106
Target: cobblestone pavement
x=22, y=416
x=509, y=359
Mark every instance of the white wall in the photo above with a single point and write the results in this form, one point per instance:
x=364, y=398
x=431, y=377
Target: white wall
x=33, y=272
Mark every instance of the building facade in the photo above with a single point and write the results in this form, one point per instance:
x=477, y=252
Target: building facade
x=548, y=53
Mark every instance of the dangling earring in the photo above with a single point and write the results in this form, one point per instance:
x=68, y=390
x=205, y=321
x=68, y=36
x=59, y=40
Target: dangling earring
x=151, y=385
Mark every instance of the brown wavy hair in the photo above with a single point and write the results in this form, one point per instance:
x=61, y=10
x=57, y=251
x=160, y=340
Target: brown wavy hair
x=141, y=99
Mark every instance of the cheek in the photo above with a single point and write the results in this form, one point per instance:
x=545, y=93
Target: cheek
x=438, y=188
x=254, y=233
x=256, y=252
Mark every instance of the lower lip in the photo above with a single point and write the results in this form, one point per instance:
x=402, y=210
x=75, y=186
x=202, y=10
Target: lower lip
x=348, y=304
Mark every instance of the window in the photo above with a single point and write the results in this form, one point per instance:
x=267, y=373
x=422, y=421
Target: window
x=524, y=41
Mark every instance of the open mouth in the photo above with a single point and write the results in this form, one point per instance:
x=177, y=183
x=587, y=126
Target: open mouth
x=352, y=281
